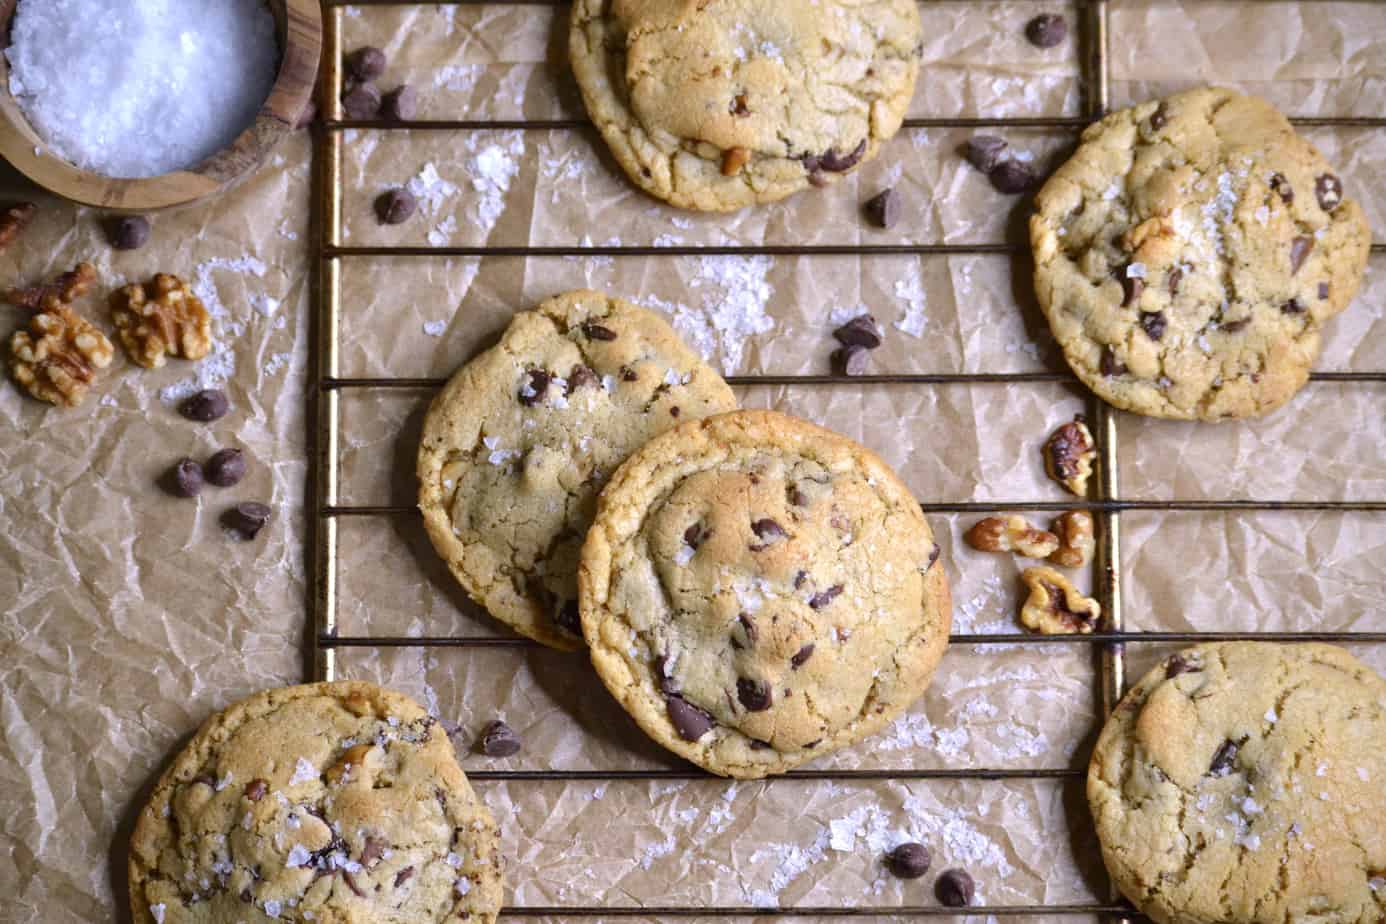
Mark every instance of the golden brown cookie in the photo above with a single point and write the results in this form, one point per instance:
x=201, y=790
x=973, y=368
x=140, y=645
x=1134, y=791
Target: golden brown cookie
x=757, y=591
x=330, y=802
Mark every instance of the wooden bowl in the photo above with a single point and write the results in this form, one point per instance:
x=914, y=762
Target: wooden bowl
x=299, y=27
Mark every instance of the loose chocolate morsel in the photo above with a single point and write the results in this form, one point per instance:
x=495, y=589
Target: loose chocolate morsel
x=955, y=888
x=689, y=721
x=908, y=861
x=851, y=360
x=755, y=695
x=366, y=63
x=361, y=102
x=1154, y=324
x=184, y=479
x=1012, y=177
x=498, y=740
x=984, y=151
x=1046, y=30
x=1223, y=759
x=225, y=468
x=862, y=331
x=205, y=406
x=395, y=206
x=401, y=104
x=127, y=232
x=883, y=209
x=246, y=519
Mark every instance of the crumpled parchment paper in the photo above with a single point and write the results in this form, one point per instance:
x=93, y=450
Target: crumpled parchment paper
x=129, y=616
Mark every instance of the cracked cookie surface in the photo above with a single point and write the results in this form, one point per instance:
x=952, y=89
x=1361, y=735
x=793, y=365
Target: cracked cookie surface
x=330, y=802
x=1243, y=782
x=1189, y=254
x=720, y=104
x=518, y=444
x=757, y=591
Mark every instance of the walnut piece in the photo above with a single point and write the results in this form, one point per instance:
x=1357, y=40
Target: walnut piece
x=1076, y=543
x=64, y=290
x=1068, y=455
x=13, y=221
x=1011, y=534
x=56, y=359
x=1055, y=607
x=159, y=319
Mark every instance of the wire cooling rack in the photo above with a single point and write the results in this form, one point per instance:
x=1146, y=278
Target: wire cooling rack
x=1107, y=506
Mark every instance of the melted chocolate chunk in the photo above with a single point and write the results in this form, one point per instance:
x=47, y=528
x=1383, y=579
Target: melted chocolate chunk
x=1159, y=117
x=1154, y=324
x=598, y=332
x=690, y=722
x=1324, y=289
x=536, y=382
x=695, y=535
x=256, y=789
x=667, y=684
x=1293, y=306
x=768, y=531
x=1176, y=276
x=628, y=374
x=403, y=875
x=1178, y=665
x=1329, y=191
x=824, y=597
x=568, y=617
x=372, y=851
x=1299, y=252
x=1109, y=364
x=581, y=377
x=801, y=656
x=834, y=162
x=748, y=625
x=738, y=106
x=1131, y=289
x=1232, y=327
x=755, y=695
x=799, y=578
x=933, y=556
x=1282, y=187
x=1224, y=758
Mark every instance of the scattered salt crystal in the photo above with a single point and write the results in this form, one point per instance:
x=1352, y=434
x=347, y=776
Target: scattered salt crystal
x=492, y=171
x=844, y=313
x=1251, y=807
x=1363, y=775
x=683, y=556
x=1262, y=215
x=458, y=77
x=297, y=857
x=678, y=221
x=1135, y=271
x=1321, y=769
x=667, y=240
x=442, y=232
x=1377, y=883
x=157, y=87
x=1249, y=841
x=430, y=189
x=272, y=908
x=735, y=291
x=223, y=782
x=1271, y=716
x=1111, y=192
x=454, y=861
x=911, y=290
x=264, y=304
x=108, y=401
x=157, y=912
x=248, y=821
x=435, y=328
x=463, y=885
x=303, y=772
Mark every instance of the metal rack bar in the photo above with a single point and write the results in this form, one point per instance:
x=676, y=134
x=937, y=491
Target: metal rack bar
x=1099, y=506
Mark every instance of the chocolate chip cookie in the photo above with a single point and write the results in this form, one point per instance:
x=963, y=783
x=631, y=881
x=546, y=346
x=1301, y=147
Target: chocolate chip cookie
x=517, y=446
x=721, y=104
x=757, y=591
x=1242, y=782
x=1189, y=254
x=325, y=802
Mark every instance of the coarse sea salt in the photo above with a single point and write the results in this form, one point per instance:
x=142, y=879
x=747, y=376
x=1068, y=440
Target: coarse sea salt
x=137, y=88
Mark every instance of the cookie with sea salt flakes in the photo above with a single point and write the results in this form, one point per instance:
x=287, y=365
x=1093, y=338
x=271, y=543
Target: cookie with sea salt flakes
x=325, y=802
x=1189, y=254
x=1241, y=783
x=720, y=104
x=757, y=591
x=518, y=444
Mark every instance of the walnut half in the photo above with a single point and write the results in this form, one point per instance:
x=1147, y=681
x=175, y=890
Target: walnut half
x=56, y=359
x=1076, y=543
x=159, y=319
x=1069, y=454
x=1011, y=534
x=1055, y=607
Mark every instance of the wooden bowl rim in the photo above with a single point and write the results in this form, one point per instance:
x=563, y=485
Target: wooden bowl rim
x=28, y=153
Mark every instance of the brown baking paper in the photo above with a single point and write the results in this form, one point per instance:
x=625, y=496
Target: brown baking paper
x=130, y=616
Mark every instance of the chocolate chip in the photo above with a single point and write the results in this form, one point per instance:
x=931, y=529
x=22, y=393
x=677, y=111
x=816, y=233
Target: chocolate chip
x=246, y=519
x=1131, y=289
x=1282, y=187
x=883, y=209
x=695, y=535
x=748, y=625
x=767, y=530
x=127, y=232
x=351, y=883
x=184, y=479
x=862, y=331
x=225, y=468
x=256, y=789
x=372, y=850
x=799, y=578
x=851, y=360
x=366, y=63
x=1178, y=665
x=1109, y=364
x=598, y=332
x=1176, y=276
x=689, y=721
x=361, y=102
x=1012, y=177
x=834, y=162
x=498, y=740
x=955, y=888
x=1324, y=289
x=401, y=104
x=755, y=695
x=1159, y=117
x=800, y=656
x=1046, y=30
x=1232, y=327
x=824, y=597
x=1329, y=191
x=246, y=895
x=1293, y=306
x=933, y=556
x=738, y=106
x=395, y=206
x=536, y=382
x=206, y=406
x=1299, y=252
x=403, y=875
x=908, y=861
x=1154, y=324
x=667, y=684
x=984, y=151
x=1224, y=758
x=628, y=374
x=796, y=496
x=582, y=377
x=569, y=617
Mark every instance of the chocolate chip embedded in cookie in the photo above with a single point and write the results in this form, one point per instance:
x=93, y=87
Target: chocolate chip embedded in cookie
x=1240, y=782
x=757, y=591
x=1189, y=254
x=519, y=443
x=326, y=802
x=727, y=103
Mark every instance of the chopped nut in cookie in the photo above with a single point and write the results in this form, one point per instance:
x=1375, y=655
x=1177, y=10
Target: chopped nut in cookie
x=1011, y=534
x=1069, y=454
x=1076, y=542
x=159, y=319
x=1055, y=607
x=56, y=359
